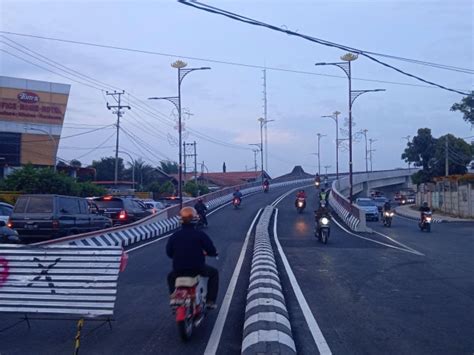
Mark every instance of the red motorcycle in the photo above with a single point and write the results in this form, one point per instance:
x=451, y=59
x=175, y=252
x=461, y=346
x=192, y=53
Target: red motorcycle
x=189, y=304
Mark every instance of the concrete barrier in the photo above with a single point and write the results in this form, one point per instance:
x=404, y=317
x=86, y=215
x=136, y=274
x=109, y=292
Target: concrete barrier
x=267, y=328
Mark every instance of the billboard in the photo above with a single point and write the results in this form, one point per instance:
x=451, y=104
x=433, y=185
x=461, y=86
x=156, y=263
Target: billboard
x=35, y=111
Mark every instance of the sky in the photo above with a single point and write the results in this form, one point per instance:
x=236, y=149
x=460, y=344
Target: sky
x=225, y=102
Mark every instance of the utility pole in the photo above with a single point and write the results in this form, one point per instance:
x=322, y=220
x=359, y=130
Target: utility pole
x=371, y=140
x=364, y=132
x=319, y=151
x=255, y=152
x=446, y=157
x=193, y=155
x=262, y=123
x=117, y=96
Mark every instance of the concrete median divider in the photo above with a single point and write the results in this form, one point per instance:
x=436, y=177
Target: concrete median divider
x=267, y=328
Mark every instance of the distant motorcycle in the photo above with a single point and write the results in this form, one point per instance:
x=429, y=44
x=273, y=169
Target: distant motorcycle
x=387, y=218
x=236, y=202
x=317, y=183
x=425, y=224
x=8, y=235
x=201, y=221
x=323, y=229
x=300, y=204
x=188, y=303
x=266, y=188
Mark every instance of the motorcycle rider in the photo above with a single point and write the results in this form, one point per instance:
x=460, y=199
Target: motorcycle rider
x=424, y=208
x=201, y=209
x=266, y=184
x=300, y=194
x=237, y=194
x=387, y=206
x=322, y=211
x=317, y=179
x=188, y=247
x=323, y=196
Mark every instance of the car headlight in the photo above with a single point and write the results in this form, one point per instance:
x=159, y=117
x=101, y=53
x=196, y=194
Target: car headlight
x=324, y=221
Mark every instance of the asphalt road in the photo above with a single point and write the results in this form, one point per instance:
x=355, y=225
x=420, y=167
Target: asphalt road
x=411, y=294
x=143, y=320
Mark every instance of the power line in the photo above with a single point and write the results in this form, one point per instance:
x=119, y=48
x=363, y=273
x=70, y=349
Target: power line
x=234, y=16
x=210, y=60
x=97, y=147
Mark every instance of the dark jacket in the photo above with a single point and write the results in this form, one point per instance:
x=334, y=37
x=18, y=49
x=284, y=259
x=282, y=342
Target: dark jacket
x=187, y=246
x=425, y=209
x=200, y=208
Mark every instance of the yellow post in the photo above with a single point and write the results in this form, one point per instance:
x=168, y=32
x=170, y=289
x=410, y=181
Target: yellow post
x=80, y=324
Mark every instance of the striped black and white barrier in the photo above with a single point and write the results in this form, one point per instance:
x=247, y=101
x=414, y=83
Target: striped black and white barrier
x=267, y=328
x=416, y=218
x=148, y=230
x=349, y=219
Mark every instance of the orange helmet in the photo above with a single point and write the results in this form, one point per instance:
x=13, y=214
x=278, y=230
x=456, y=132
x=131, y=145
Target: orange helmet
x=187, y=214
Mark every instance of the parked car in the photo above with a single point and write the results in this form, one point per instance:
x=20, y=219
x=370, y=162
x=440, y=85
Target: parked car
x=5, y=211
x=369, y=207
x=53, y=216
x=379, y=202
x=122, y=210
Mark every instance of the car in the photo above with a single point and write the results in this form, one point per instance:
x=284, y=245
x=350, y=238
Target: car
x=5, y=211
x=369, y=207
x=379, y=202
x=53, y=216
x=122, y=210
x=155, y=206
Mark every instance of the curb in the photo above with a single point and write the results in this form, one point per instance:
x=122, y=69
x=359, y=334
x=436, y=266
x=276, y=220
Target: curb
x=267, y=328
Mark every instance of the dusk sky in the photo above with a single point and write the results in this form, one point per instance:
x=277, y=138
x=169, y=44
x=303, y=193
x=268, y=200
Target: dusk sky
x=226, y=101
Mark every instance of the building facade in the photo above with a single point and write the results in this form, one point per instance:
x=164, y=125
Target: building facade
x=31, y=119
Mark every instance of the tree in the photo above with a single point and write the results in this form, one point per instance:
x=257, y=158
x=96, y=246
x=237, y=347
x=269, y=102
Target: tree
x=169, y=167
x=105, y=168
x=466, y=107
x=154, y=187
x=194, y=189
x=421, y=150
x=459, y=155
x=167, y=188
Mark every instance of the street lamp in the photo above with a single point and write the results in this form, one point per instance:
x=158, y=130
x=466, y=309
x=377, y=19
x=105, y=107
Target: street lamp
x=52, y=139
x=371, y=140
x=345, y=65
x=326, y=167
x=334, y=116
x=133, y=166
x=319, y=151
x=176, y=101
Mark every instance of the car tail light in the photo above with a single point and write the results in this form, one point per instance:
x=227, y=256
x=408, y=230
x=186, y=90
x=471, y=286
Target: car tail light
x=122, y=215
x=55, y=224
x=10, y=223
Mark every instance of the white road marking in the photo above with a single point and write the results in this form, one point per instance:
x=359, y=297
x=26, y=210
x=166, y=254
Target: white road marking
x=216, y=334
x=411, y=251
x=313, y=326
x=397, y=242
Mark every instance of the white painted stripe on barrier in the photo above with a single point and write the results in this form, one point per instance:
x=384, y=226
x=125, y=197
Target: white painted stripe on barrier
x=264, y=290
x=268, y=317
x=260, y=274
x=268, y=336
x=264, y=281
x=265, y=302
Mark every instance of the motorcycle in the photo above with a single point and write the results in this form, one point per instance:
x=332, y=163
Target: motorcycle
x=387, y=218
x=266, y=188
x=200, y=221
x=8, y=235
x=425, y=223
x=323, y=229
x=300, y=204
x=236, y=202
x=189, y=304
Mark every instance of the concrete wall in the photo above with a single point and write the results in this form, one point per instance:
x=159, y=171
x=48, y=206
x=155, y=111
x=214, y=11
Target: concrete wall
x=455, y=198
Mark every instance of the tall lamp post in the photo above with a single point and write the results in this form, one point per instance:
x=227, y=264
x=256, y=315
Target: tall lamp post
x=176, y=101
x=263, y=123
x=334, y=116
x=52, y=140
x=345, y=65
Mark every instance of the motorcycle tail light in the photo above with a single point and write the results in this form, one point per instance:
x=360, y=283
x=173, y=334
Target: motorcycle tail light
x=55, y=224
x=10, y=223
x=122, y=215
x=428, y=219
